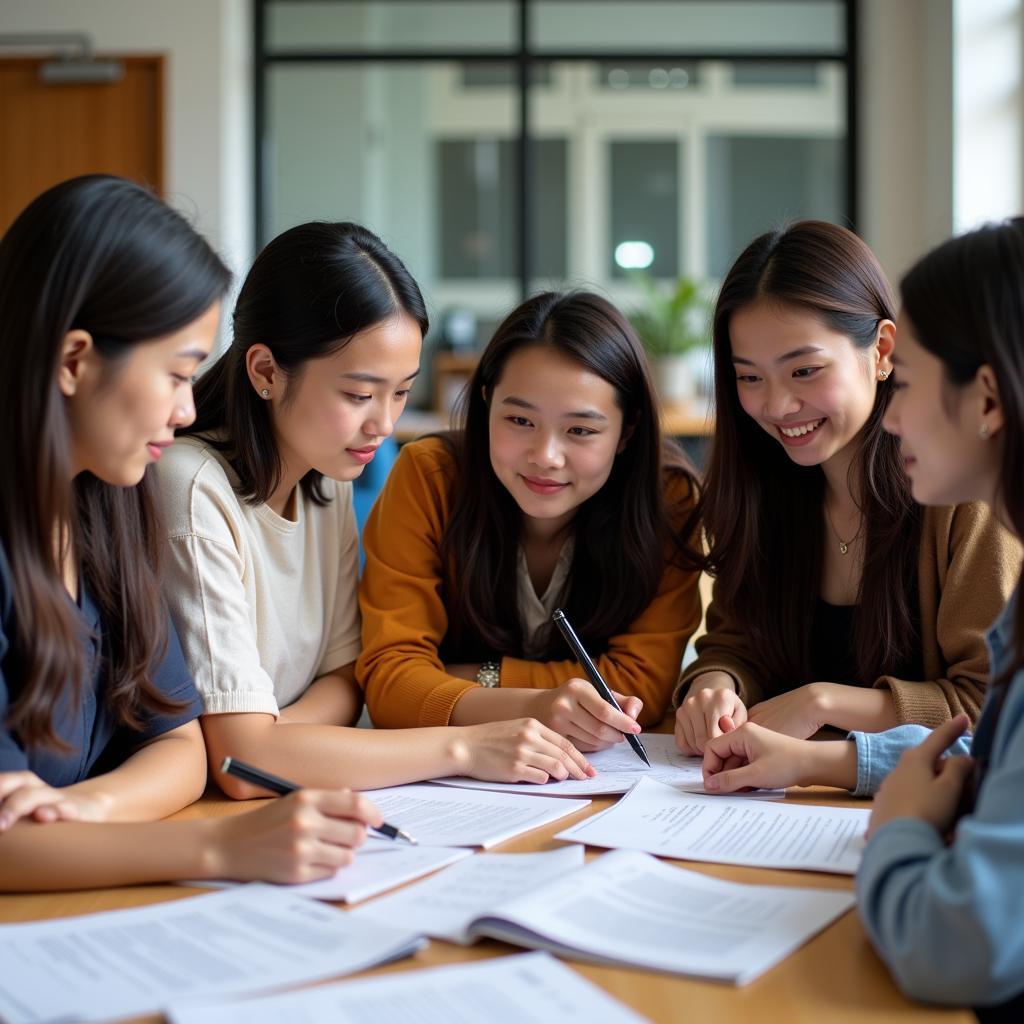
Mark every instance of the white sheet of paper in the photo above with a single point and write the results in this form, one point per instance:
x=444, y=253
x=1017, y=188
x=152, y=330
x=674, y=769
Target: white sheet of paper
x=126, y=962
x=659, y=819
x=443, y=816
x=444, y=906
x=627, y=907
x=532, y=988
x=618, y=770
x=380, y=864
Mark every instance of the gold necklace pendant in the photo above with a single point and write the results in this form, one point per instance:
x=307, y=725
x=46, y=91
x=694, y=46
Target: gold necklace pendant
x=843, y=547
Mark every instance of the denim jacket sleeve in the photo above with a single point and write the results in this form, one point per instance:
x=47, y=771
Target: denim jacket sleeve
x=947, y=919
x=878, y=752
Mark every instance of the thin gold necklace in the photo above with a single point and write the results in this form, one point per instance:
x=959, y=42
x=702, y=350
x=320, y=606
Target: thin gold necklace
x=844, y=545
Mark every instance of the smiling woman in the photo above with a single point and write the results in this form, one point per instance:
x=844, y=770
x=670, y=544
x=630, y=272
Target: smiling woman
x=557, y=492
x=836, y=600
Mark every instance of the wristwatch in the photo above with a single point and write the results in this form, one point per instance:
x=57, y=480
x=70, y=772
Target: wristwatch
x=489, y=674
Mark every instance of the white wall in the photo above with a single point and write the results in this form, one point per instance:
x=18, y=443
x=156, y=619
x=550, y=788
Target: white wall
x=906, y=156
x=208, y=88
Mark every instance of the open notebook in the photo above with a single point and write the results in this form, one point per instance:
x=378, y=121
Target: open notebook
x=624, y=907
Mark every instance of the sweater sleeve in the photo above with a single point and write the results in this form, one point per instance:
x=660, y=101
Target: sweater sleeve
x=404, y=616
x=643, y=660
x=978, y=563
x=723, y=648
x=946, y=919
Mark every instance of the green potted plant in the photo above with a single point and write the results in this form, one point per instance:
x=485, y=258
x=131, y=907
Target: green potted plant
x=672, y=323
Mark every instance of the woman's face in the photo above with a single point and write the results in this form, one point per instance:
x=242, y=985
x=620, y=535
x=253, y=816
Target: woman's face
x=123, y=414
x=334, y=413
x=947, y=454
x=806, y=385
x=555, y=429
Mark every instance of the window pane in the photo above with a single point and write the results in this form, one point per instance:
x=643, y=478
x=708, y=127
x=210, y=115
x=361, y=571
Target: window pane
x=396, y=25
x=478, y=205
x=755, y=73
x=733, y=27
x=757, y=183
x=645, y=202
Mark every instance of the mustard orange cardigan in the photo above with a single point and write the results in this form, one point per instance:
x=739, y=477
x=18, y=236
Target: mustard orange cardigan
x=405, y=620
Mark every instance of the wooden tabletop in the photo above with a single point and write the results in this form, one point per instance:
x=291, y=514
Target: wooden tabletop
x=836, y=977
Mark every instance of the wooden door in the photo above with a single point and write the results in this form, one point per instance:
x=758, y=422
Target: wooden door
x=52, y=132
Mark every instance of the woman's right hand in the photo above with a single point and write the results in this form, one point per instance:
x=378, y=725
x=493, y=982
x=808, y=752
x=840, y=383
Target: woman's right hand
x=521, y=750
x=711, y=696
x=300, y=837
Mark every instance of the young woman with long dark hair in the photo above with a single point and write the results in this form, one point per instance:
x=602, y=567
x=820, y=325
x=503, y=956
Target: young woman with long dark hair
x=941, y=886
x=109, y=301
x=263, y=563
x=836, y=601
x=557, y=491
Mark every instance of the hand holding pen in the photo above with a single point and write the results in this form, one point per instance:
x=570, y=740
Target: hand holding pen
x=607, y=720
x=282, y=787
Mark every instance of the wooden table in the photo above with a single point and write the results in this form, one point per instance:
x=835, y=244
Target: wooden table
x=835, y=978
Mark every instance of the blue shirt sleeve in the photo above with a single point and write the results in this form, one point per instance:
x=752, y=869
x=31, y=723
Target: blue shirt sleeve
x=878, y=752
x=947, y=920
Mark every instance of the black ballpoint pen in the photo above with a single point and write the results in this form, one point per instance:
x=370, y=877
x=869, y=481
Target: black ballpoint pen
x=246, y=772
x=596, y=678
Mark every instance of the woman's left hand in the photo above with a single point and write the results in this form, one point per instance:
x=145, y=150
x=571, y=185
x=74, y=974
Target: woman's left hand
x=925, y=784
x=25, y=795
x=799, y=713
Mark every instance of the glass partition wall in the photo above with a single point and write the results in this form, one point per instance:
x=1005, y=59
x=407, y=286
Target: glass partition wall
x=503, y=146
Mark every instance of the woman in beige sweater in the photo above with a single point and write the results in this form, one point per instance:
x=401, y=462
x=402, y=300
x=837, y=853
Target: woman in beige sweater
x=837, y=601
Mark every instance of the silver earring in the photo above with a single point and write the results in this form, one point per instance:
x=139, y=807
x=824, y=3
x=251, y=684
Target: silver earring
x=883, y=374
x=983, y=431
x=265, y=392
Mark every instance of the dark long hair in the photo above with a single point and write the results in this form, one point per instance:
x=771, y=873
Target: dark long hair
x=965, y=300
x=103, y=255
x=308, y=293
x=755, y=497
x=623, y=533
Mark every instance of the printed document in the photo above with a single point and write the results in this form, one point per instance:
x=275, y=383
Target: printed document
x=725, y=830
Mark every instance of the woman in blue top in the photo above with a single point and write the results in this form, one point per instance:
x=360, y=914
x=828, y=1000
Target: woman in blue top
x=941, y=886
x=108, y=303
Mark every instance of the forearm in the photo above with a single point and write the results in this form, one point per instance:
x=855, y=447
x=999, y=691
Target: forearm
x=828, y=763
x=482, y=704
x=160, y=778
x=77, y=855
x=331, y=757
x=857, y=708
x=333, y=699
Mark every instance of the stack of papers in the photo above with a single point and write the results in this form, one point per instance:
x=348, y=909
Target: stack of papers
x=439, y=816
x=128, y=962
x=527, y=989
x=725, y=830
x=618, y=771
x=622, y=908
x=380, y=864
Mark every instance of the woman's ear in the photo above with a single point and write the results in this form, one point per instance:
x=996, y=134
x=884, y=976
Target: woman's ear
x=885, y=342
x=263, y=371
x=992, y=416
x=76, y=354
x=627, y=433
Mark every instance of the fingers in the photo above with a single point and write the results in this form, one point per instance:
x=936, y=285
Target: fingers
x=24, y=802
x=731, y=780
x=631, y=706
x=685, y=740
x=10, y=781
x=941, y=738
x=956, y=770
x=608, y=717
x=341, y=804
x=727, y=724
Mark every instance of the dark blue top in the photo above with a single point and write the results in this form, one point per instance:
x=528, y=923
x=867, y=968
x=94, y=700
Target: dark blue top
x=98, y=742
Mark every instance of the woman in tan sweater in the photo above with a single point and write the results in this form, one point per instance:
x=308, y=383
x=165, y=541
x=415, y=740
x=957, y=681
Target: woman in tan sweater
x=557, y=492
x=837, y=601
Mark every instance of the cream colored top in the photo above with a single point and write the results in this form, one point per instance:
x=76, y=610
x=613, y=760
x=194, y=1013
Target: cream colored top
x=535, y=610
x=263, y=605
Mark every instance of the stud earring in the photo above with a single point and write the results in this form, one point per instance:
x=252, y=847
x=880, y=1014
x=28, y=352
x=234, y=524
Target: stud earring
x=883, y=374
x=983, y=431
x=265, y=392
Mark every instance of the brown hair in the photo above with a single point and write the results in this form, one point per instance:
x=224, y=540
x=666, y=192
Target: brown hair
x=104, y=255
x=623, y=533
x=755, y=497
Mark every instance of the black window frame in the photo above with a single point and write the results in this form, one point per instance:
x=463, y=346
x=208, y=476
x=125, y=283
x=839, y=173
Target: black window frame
x=523, y=57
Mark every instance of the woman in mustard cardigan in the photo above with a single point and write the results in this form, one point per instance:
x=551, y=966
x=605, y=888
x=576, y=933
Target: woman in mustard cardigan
x=558, y=491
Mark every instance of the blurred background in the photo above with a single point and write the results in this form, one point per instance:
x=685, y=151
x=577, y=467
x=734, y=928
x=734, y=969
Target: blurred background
x=504, y=146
